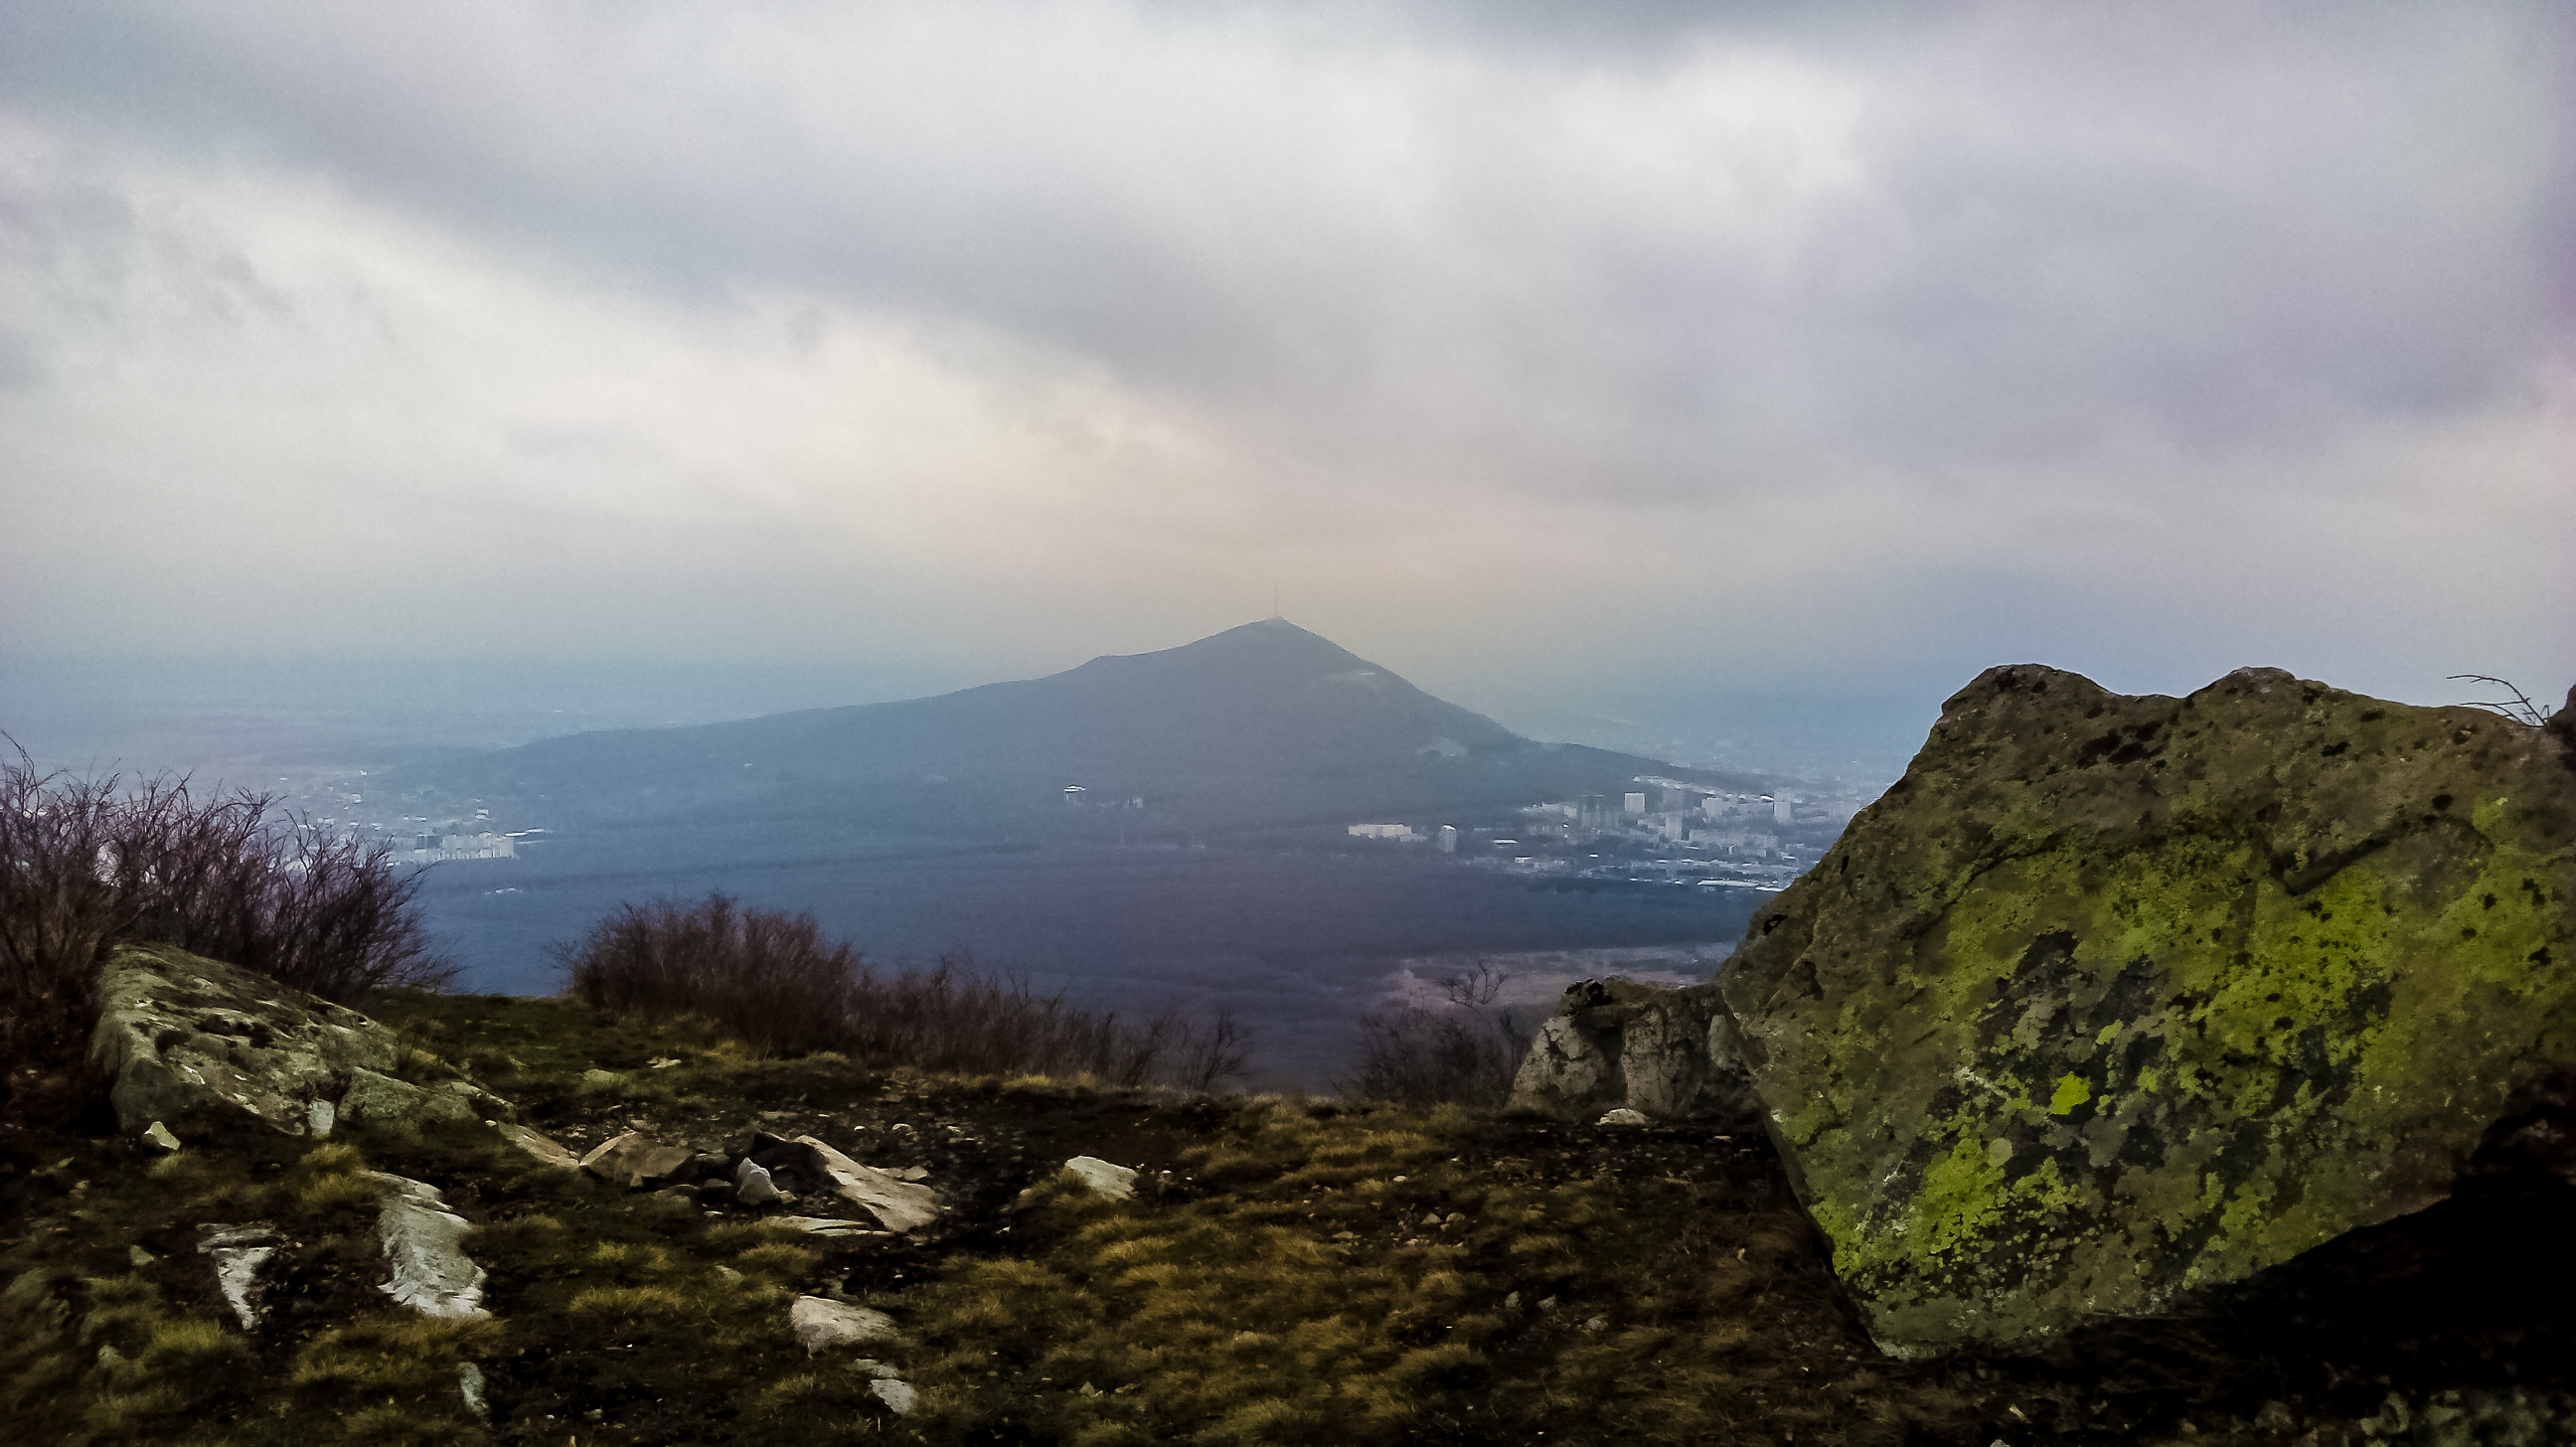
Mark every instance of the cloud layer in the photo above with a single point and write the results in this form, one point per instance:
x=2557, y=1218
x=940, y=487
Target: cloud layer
x=1767, y=350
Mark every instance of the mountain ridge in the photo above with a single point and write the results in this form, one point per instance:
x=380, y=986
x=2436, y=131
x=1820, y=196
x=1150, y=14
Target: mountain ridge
x=1265, y=724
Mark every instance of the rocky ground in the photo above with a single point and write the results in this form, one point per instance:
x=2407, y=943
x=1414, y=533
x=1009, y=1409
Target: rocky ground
x=1286, y=1271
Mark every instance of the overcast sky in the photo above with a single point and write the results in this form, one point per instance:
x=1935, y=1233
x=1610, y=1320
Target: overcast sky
x=1518, y=347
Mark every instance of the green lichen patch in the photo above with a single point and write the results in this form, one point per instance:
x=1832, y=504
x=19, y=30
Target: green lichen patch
x=2117, y=998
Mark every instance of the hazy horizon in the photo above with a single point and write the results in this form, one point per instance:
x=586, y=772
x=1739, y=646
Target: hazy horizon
x=1590, y=369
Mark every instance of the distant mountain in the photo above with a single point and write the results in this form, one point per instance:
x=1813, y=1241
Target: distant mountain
x=1262, y=726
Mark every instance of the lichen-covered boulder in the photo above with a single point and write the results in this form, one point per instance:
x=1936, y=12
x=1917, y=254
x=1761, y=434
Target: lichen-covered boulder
x=2113, y=998
x=374, y=1099
x=178, y=1033
x=1617, y=1045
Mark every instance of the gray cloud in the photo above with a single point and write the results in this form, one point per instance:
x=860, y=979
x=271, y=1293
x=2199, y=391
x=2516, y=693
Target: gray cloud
x=1885, y=340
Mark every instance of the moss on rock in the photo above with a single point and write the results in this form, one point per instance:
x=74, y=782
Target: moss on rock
x=2112, y=998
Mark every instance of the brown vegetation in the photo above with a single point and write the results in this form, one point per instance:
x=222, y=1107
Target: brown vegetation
x=85, y=863
x=770, y=980
x=1463, y=1054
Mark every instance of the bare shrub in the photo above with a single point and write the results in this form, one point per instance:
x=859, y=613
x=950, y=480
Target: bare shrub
x=1207, y=1056
x=59, y=913
x=85, y=863
x=767, y=979
x=1464, y=1053
x=232, y=880
x=770, y=980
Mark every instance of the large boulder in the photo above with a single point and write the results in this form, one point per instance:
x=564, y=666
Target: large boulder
x=179, y=1033
x=1617, y=1045
x=2114, y=998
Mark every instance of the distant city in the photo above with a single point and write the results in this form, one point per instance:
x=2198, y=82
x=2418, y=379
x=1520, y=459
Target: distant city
x=1661, y=831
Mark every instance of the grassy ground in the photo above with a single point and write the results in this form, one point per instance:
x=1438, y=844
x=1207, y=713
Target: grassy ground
x=1288, y=1272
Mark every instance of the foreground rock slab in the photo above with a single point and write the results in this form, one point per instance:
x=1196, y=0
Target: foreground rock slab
x=820, y=1322
x=543, y=1147
x=2113, y=998
x=637, y=1161
x=241, y=1256
x=897, y=1204
x=428, y=1269
x=1105, y=1178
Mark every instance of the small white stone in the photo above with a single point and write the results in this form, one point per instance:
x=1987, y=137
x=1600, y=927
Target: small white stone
x=159, y=1136
x=1623, y=1116
x=898, y=1396
x=320, y=1116
x=1114, y=1181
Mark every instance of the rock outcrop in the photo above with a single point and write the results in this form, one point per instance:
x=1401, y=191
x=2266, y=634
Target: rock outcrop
x=178, y=1033
x=2113, y=998
x=1615, y=1045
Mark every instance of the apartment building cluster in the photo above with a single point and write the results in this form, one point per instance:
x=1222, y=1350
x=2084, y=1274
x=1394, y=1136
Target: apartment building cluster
x=1657, y=814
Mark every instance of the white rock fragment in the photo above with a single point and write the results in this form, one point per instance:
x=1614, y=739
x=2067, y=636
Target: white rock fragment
x=821, y=1322
x=319, y=1117
x=898, y=1396
x=752, y=1185
x=469, y=1385
x=1623, y=1116
x=160, y=1138
x=823, y=1226
x=241, y=1254
x=1114, y=1181
x=430, y=1274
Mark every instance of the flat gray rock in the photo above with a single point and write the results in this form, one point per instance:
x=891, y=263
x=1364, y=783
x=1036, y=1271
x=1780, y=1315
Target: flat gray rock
x=824, y=1226
x=1105, y=1178
x=429, y=1271
x=540, y=1145
x=898, y=1396
x=820, y=1322
x=241, y=1258
x=898, y=1204
x=637, y=1161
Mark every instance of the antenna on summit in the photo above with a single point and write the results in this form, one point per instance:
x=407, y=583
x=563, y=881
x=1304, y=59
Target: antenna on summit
x=1274, y=604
